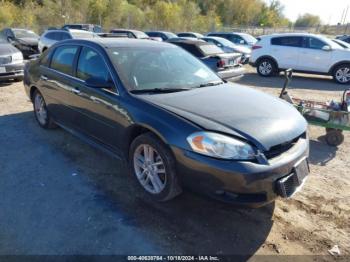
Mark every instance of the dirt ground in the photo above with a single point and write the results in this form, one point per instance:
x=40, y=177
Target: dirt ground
x=60, y=196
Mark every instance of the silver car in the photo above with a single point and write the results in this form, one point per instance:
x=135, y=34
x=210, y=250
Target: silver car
x=51, y=37
x=11, y=61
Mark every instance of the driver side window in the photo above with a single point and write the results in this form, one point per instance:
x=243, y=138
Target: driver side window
x=91, y=64
x=315, y=43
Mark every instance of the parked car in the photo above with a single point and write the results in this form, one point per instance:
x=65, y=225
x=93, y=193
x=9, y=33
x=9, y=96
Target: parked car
x=190, y=35
x=175, y=123
x=24, y=40
x=241, y=39
x=50, y=37
x=85, y=27
x=227, y=66
x=306, y=53
x=11, y=61
x=130, y=33
x=181, y=39
x=345, y=38
x=229, y=47
x=342, y=43
x=162, y=34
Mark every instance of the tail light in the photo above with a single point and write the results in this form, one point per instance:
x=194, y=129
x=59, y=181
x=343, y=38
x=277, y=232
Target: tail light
x=256, y=47
x=221, y=63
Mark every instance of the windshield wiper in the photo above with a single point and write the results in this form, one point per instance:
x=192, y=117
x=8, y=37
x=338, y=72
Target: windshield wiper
x=216, y=83
x=159, y=90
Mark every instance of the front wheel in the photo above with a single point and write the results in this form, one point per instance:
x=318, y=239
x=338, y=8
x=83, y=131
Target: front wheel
x=41, y=113
x=341, y=74
x=153, y=165
x=266, y=67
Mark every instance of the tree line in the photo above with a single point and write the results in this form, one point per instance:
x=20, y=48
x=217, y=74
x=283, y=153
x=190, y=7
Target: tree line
x=173, y=15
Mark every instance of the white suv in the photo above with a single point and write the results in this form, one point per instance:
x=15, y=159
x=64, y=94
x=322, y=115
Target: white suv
x=306, y=53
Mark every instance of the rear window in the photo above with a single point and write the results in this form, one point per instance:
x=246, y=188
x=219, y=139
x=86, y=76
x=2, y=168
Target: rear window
x=210, y=49
x=294, y=41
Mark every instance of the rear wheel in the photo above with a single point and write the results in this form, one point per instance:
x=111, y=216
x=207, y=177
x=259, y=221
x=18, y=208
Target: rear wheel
x=153, y=165
x=266, y=67
x=41, y=113
x=341, y=74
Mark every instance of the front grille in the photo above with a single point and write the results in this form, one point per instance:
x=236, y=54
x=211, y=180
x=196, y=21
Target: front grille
x=281, y=148
x=4, y=60
x=286, y=186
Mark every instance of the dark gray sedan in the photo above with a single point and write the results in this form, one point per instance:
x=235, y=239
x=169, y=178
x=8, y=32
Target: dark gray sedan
x=11, y=61
x=172, y=119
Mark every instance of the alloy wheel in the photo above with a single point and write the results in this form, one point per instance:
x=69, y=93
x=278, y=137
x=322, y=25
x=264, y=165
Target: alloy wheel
x=265, y=68
x=150, y=169
x=343, y=75
x=40, y=109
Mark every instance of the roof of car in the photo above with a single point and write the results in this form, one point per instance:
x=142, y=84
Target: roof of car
x=189, y=42
x=120, y=42
x=290, y=34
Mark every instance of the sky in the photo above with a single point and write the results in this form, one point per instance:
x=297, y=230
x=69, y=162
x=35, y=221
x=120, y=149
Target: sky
x=330, y=11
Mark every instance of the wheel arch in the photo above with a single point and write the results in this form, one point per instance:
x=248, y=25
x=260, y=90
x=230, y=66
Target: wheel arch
x=267, y=57
x=331, y=70
x=32, y=89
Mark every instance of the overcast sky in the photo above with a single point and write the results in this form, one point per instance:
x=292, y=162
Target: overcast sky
x=330, y=11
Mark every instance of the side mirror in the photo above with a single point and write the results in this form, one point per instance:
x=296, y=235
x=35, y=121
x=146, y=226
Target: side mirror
x=10, y=38
x=326, y=48
x=96, y=82
x=219, y=45
x=241, y=42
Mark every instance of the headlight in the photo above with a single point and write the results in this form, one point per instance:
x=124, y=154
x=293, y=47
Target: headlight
x=220, y=146
x=17, y=56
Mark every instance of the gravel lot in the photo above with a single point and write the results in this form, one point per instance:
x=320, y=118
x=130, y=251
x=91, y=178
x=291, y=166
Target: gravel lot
x=60, y=196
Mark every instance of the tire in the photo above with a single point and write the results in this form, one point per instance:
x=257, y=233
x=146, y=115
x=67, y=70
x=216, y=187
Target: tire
x=167, y=185
x=266, y=67
x=334, y=137
x=41, y=113
x=341, y=74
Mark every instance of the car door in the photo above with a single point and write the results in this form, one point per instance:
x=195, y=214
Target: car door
x=99, y=117
x=313, y=57
x=286, y=51
x=56, y=81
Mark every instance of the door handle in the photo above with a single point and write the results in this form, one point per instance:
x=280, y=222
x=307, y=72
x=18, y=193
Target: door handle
x=43, y=77
x=76, y=91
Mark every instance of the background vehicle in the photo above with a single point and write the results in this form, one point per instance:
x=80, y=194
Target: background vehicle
x=130, y=33
x=226, y=65
x=24, y=40
x=302, y=52
x=162, y=34
x=174, y=123
x=229, y=47
x=86, y=27
x=11, y=61
x=345, y=38
x=190, y=35
x=51, y=37
x=241, y=39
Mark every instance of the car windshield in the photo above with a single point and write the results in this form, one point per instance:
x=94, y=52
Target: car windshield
x=225, y=42
x=329, y=42
x=83, y=34
x=250, y=39
x=147, y=68
x=210, y=49
x=342, y=43
x=22, y=33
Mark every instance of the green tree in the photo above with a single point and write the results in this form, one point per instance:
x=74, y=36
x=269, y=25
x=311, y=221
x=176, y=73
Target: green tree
x=308, y=20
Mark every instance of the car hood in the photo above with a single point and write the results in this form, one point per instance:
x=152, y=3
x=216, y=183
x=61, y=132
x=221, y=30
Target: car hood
x=28, y=41
x=7, y=49
x=240, y=111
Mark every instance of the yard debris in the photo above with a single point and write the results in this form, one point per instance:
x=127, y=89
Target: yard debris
x=334, y=251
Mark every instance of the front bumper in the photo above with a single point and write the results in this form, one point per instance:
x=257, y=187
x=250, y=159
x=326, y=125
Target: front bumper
x=243, y=183
x=232, y=73
x=12, y=71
